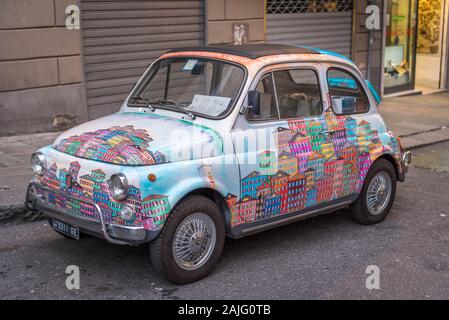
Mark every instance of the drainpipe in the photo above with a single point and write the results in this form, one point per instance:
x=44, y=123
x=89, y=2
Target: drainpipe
x=370, y=47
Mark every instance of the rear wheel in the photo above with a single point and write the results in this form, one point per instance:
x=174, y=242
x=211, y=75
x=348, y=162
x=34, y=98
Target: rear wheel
x=377, y=195
x=190, y=242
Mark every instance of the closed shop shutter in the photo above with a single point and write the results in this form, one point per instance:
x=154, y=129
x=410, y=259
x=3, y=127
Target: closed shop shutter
x=322, y=24
x=122, y=37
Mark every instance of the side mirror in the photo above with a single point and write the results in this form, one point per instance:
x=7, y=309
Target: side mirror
x=254, y=102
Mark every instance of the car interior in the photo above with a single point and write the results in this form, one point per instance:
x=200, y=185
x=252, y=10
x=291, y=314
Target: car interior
x=298, y=94
x=347, y=95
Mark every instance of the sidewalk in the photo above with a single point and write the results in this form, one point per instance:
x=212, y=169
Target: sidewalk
x=15, y=169
x=418, y=120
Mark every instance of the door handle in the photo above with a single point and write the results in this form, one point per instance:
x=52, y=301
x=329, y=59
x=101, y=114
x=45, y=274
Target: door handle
x=328, y=131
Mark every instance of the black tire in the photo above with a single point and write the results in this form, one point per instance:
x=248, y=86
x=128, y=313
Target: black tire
x=161, y=248
x=359, y=209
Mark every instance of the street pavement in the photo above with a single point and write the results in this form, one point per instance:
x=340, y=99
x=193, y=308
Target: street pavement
x=321, y=258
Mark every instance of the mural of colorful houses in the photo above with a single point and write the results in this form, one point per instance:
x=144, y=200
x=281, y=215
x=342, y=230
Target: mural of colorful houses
x=118, y=145
x=308, y=168
x=150, y=211
x=315, y=161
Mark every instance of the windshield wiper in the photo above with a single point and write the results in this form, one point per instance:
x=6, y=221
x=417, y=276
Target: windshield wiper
x=179, y=106
x=152, y=101
x=147, y=105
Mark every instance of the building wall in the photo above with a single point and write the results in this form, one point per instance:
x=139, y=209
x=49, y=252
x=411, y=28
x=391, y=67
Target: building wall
x=361, y=44
x=41, y=72
x=223, y=14
x=41, y=75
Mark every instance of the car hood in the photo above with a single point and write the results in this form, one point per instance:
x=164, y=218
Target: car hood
x=134, y=138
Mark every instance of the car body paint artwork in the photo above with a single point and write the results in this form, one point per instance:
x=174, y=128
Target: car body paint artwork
x=118, y=145
x=308, y=168
x=305, y=168
x=137, y=139
x=128, y=147
x=149, y=212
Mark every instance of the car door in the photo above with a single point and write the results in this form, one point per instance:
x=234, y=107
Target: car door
x=280, y=147
x=357, y=130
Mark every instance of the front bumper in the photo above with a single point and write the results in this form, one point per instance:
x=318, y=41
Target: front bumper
x=116, y=234
x=406, y=160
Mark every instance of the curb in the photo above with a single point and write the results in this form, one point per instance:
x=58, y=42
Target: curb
x=18, y=213
x=413, y=147
x=425, y=138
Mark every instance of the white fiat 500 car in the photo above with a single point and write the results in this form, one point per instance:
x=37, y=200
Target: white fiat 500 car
x=222, y=141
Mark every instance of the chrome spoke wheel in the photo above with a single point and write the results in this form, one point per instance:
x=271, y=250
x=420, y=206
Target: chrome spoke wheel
x=378, y=193
x=194, y=241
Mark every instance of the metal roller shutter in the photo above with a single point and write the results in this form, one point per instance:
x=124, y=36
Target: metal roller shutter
x=122, y=37
x=322, y=24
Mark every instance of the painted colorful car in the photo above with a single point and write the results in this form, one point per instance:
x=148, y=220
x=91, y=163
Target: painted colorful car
x=222, y=141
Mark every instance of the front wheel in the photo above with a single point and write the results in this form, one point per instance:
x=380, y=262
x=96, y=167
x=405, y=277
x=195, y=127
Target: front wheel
x=377, y=195
x=190, y=242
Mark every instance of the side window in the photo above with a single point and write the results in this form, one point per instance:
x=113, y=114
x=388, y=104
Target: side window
x=298, y=93
x=346, y=93
x=268, y=109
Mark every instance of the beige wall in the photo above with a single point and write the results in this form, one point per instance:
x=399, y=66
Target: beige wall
x=41, y=78
x=223, y=14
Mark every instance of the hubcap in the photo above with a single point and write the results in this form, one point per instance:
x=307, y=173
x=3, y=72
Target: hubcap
x=378, y=193
x=194, y=241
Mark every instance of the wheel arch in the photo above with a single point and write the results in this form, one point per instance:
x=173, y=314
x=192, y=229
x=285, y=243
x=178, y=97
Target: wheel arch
x=390, y=158
x=215, y=196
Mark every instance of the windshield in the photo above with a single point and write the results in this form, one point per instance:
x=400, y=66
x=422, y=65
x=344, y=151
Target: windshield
x=191, y=85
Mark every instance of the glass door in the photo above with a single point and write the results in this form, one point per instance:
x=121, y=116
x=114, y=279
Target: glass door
x=400, y=45
x=430, y=44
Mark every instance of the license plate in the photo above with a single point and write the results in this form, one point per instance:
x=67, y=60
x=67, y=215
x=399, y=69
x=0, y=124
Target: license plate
x=67, y=229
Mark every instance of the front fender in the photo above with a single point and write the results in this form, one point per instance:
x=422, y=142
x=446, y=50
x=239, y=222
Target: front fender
x=176, y=180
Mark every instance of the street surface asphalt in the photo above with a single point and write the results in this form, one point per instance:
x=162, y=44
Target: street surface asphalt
x=322, y=258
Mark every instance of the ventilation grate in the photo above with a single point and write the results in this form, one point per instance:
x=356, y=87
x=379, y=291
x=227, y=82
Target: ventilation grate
x=308, y=6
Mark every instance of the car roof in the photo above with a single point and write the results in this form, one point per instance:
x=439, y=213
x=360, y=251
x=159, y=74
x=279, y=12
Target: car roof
x=251, y=51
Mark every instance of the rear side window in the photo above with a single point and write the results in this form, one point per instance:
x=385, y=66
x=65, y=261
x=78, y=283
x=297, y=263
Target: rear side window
x=348, y=96
x=298, y=93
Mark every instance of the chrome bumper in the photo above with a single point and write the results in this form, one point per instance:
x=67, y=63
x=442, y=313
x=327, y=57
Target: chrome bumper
x=116, y=234
x=406, y=160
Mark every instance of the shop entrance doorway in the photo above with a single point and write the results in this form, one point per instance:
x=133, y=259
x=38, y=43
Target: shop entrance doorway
x=430, y=44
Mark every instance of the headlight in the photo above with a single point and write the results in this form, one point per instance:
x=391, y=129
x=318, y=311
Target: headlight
x=126, y=213
x=38, y=163
x=119, y=186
